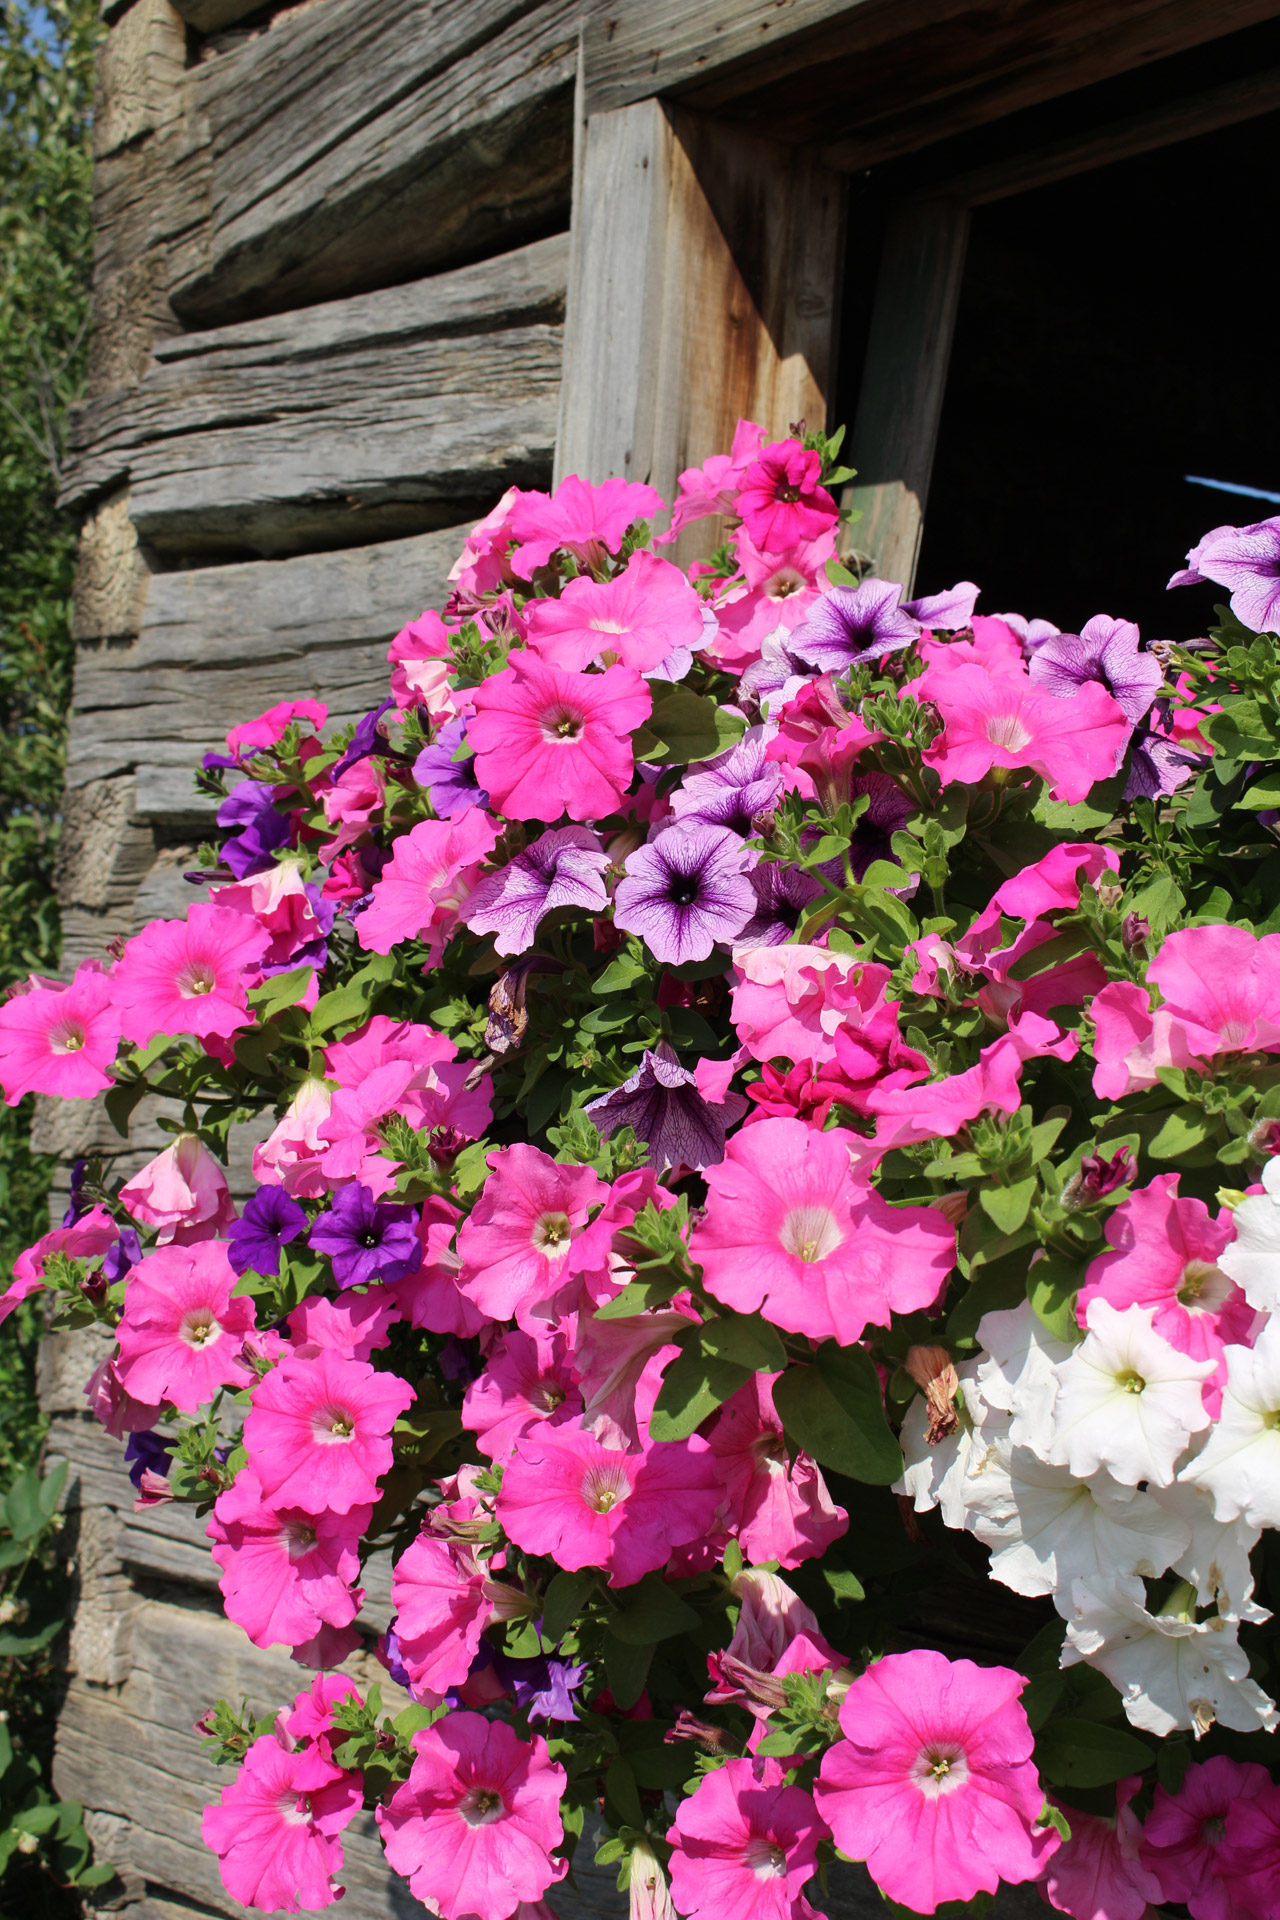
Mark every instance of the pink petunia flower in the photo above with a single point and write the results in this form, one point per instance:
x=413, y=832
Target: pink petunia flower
x=187, y=976
x=1098, y=1873
x=183, y=1193
x=1220, y=993
x=589, y=521
x=318, y=1434
x=93, y=1233
x=744, y=1844
x=251, y=736
x=1182, y=1837
x=59, y=1039
x=529, y=1233
x=639, y=617
x=527, y=1379
x=290, y=1157
x=792, y=1001
x=933, y=1784
x=778, y=1508
x=431, y=1297
x=1165, y=1255
x=285, y=1572
x=181, y=1332
x=792, y=1232
x=350, y=803
x=713, y=487
x=473, y=1826
x=430, y=874
x=996, y=720
x=275, y=1829
x=444, y=1600
x=781, y=500
x=1250, y=1857
x=354, y=1325
x=548, y=742
x=116, y=1410
x=588, y=1505
x=420, y=664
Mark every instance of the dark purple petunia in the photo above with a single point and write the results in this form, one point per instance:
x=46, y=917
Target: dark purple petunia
x=783, y=894
x=563, y=868
x=262, y=829
x=852, y=626
x=1107, y=651
x=451, y=784
x=147, y=1452
x=123, y=1257
x=887, y=812
x=78, y=1201
x=270, y=1220
x=685, y=892
x=543, y=1687
x=365, y=740
x=388, y=1651
x=367, y=1239
x=1157, y=764
x=663, y=1107
x=732, y=789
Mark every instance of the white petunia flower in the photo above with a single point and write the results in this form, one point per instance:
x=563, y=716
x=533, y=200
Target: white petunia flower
x=1127, y=1400
x=941, y=1476
x=1171, y=1671
x=1216, y=1561
x=1253, y=1258
x=1017, y=1376
x=1240, y=1464
x=1047, y=1529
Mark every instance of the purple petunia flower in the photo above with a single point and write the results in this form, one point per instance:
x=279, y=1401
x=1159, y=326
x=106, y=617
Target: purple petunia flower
x=261, y=828
x=1245, y=560
x=945, y=612
x=663, y=1107
x=365, y=740
x=77, y=1201
x=686, y=891
x=270, y=1220
x=563, y=868
x=366, y=1239
x=851, y=626
x=451, y=784
x=1031, y=633
x=887, y=812
x=123, y=1257
x=776, y=677
x=147, y=1452
x=1107, y=651
x=731, y=789
x=1157, y=764
x=782, y=896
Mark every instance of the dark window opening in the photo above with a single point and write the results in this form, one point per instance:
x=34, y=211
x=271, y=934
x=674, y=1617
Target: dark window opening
x=1116, y=333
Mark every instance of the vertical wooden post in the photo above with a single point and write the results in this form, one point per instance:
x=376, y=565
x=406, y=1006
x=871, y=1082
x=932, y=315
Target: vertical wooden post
x=900, y=404
x=703, y=288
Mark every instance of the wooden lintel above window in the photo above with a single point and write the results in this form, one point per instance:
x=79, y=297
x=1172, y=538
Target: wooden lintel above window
x=880, y=78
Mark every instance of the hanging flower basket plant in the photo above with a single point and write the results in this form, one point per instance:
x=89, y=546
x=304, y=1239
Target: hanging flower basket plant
x=767, y=1214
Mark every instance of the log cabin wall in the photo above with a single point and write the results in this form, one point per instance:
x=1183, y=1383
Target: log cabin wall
x=360, y=266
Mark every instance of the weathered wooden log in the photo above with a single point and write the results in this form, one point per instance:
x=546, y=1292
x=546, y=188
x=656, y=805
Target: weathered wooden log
x=221, y=643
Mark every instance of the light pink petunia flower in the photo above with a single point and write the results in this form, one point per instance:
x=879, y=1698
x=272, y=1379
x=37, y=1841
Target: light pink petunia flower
x=93, y=1233
x=187, y=976
x=933, y=1784
x=792, y=1232
x=997, y=720
x=638, y=617
x=444, y=1600
x=430, y=874
x=1098, y=1873
x=181, y=1332
x=744, y=1844
x=588, y=1505
x=473, y=1826
x=59, y=1039
x=589, y=521
x=182, y=1193
x=530, y=1232
x=318, y=1435
x=548, y=742
x=778, y=1508
x=275, y=1829
x=792, y=1001
x=285, y=1573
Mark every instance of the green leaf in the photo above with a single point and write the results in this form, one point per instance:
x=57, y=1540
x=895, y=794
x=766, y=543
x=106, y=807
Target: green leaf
x=1007, y=1207
x=413, y=1720
x=652, y=1611
x=622, y=972
x=746, y=1340
x=1181, y=1133
x=563, y=1601
x=280, y=991
x=13, y=1646
x=833, y=1410
x=626, y=1668
x=1080, y=1753
x=845, y=1588
x=97, y=1875
x=686, y=726
x=1173, y=1757
x=620, y=1789
x=639, y=1295
x=347, y=1004
x=693, y=1387
x=24, y=1510
x=121, y=1101
x=1052, y=1285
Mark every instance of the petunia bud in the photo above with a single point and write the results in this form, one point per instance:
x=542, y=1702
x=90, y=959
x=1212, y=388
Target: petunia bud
x=1135, y=931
